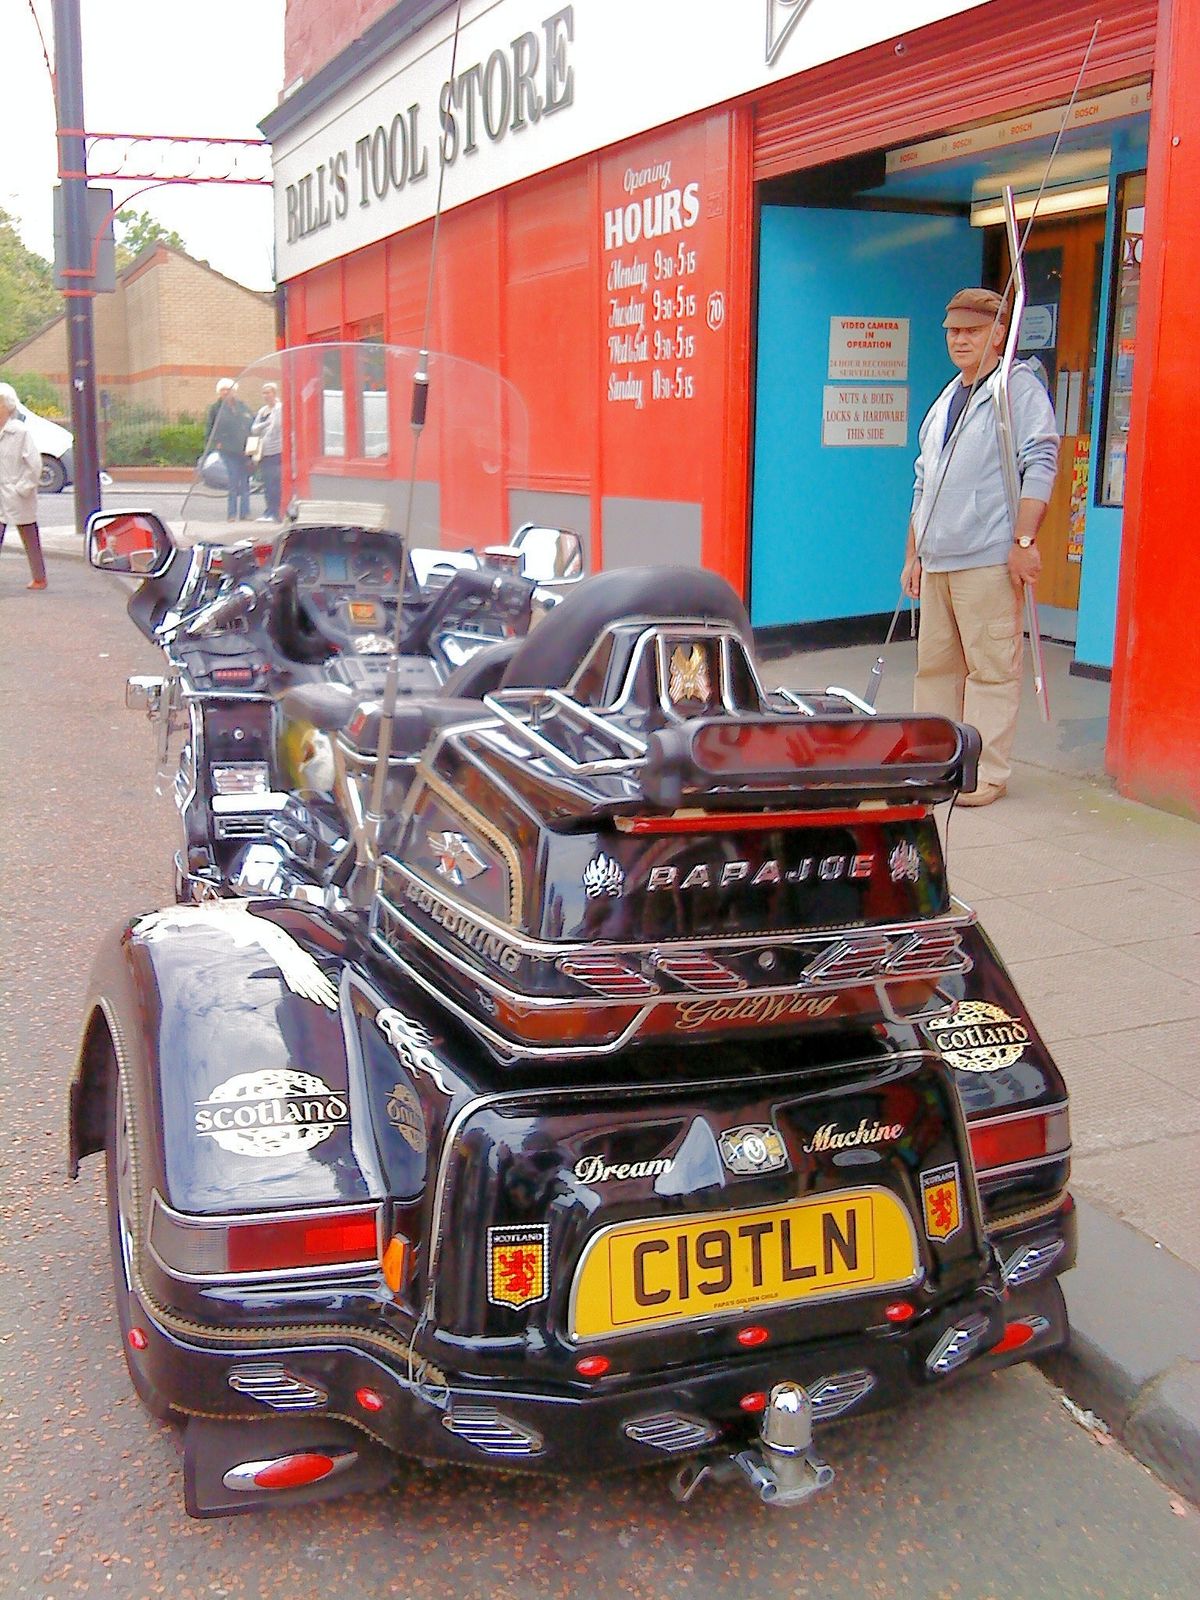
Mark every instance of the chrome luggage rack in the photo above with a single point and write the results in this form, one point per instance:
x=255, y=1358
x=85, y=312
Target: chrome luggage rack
x=529, y=713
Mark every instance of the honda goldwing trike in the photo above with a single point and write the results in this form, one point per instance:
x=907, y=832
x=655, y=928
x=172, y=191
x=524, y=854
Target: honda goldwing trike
x=639, y=1092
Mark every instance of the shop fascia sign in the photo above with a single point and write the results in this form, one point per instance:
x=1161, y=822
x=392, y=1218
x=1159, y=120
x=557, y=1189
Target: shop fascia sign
x=535, y=86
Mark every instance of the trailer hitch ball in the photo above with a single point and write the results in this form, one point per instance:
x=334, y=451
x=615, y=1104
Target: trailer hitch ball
x=781, y=1468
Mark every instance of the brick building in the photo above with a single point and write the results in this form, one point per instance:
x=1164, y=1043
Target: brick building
x=172, y=327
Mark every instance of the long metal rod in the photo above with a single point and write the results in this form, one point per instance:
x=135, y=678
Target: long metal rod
x=369, y=847
x=1009, y=464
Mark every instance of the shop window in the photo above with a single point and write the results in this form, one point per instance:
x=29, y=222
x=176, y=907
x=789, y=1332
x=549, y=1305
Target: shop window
x=333, y=407
x=1131, y=215
x=370, y=396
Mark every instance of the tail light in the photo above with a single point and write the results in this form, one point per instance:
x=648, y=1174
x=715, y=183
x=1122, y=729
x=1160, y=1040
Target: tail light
x=300, y=1242
x=295, y=1471
x=1019, y=1140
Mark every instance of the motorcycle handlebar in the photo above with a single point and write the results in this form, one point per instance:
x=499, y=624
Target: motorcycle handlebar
x=242, y=598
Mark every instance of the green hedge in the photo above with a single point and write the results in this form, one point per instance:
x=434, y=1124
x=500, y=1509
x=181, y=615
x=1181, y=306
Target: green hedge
x=38, y=393
x=136, y=442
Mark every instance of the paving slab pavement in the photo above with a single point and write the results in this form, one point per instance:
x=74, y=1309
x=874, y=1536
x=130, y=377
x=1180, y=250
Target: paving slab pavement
x=1094, y=902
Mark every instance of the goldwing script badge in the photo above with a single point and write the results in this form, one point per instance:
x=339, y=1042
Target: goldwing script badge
x=941, y=1201
x=517, y=1274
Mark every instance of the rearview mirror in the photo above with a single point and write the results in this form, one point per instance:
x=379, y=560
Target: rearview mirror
x=132, y=542
x=549, y=555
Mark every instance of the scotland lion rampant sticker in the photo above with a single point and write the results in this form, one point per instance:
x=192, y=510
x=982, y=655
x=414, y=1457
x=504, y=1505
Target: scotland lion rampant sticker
x=941, y=1201
x=517, y=1273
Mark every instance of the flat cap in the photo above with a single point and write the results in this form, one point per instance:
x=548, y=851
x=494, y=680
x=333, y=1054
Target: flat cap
x=979, y=303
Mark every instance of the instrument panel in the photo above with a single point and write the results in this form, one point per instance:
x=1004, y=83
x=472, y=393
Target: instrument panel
x=340, y=559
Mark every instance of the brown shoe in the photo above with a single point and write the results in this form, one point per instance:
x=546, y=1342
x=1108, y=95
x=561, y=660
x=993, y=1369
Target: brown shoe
x=36, y=583
x=984, y=796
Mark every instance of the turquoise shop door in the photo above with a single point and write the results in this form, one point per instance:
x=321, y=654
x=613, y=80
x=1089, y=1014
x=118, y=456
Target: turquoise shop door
x=829, y=519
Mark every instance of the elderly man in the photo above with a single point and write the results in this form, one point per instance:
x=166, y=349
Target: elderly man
x=965, y=561
x=20, y=473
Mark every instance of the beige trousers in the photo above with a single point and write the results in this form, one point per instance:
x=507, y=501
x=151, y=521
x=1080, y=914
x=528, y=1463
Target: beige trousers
x=969, y=658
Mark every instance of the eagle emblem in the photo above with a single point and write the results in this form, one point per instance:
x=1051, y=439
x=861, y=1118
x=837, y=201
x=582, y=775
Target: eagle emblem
x=455, y=857
x=689, y=676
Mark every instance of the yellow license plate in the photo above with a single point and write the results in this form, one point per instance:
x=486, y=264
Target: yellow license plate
x=637, y=1275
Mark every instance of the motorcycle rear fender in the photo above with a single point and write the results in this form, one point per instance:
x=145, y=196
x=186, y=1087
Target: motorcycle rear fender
x=226, y=1020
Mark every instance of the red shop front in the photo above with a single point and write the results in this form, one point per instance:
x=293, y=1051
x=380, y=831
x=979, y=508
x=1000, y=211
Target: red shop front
x=606, y=172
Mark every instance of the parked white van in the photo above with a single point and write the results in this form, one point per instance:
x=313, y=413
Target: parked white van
x=56, y=445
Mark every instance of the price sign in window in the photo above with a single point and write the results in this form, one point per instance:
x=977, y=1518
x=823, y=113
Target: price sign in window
x=1126, y=285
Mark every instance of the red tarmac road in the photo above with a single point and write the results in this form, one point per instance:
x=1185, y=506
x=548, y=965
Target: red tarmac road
x=987, y=1490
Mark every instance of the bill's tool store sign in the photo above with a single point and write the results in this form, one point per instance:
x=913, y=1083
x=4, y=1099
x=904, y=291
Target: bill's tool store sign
x=533, y=86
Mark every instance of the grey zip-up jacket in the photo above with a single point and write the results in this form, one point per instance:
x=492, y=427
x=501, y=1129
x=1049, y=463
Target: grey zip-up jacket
x=958, y=509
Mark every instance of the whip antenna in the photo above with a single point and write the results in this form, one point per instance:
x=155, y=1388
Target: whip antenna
x=417, y=413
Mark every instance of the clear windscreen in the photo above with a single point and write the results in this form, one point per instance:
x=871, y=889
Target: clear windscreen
x=341, y=434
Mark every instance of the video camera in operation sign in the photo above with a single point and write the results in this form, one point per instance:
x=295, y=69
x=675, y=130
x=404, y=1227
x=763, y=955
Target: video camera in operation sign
x=868, y=349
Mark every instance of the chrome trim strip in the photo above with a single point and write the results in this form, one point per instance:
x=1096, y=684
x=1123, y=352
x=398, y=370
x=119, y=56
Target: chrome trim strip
x=1020, y=1116
x=550, y=950
x=986, y=1174
x=225, y=804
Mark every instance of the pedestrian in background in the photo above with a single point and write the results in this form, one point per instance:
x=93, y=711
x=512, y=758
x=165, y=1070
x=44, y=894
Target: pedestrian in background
x=227, y=431
x=20, y=473
x=965, y=561
x=268, y=426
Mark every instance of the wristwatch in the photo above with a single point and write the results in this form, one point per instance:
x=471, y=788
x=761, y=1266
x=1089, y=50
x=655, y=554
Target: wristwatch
x=1027, y=541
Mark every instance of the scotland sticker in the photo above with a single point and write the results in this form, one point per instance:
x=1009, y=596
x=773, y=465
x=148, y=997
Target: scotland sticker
x=979, y=1037
x=271, y=1113
x=405, y=1115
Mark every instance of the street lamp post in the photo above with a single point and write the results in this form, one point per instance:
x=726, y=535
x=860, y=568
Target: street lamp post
x=78, y=270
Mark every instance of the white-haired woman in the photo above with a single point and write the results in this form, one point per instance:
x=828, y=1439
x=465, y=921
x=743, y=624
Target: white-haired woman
x=20, y=470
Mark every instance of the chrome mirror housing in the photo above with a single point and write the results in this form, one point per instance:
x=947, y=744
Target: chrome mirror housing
x=133, y=543
x=549, y=555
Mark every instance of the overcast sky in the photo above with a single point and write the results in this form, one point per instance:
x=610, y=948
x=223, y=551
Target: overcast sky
x=150, y=66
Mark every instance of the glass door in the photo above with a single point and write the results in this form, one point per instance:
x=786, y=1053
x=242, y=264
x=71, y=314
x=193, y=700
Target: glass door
x=1058, y=336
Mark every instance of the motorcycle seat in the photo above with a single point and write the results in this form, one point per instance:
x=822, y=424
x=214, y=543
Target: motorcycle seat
x=555, y=652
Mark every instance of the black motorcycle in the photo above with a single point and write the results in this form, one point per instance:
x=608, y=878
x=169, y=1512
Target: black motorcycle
x=626, y=1086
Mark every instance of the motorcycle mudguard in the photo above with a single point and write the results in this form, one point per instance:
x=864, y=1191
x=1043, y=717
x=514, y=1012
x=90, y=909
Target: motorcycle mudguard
x=226, y=1023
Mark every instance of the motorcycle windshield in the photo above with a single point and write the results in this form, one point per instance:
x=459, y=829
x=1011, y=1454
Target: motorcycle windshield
x=368, y=435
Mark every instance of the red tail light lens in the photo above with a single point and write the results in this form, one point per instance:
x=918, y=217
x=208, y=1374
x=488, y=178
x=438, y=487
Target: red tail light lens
x=750, y=1338
x=322, y=1242
x=293, y=1471
x=1011, y=1141
x=195, y=1247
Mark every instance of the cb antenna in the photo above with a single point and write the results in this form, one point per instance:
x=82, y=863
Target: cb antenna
x=417, y=412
